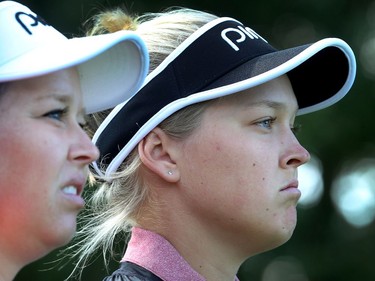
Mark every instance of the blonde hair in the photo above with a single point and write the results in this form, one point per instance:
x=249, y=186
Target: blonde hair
x=115, y=206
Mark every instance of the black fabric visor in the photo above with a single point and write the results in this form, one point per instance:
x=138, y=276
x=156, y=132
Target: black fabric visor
x=222, y=55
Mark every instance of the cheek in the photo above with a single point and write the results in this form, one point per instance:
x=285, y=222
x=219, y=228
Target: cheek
x=254, y=186
x=24, y=172
x=27, y=156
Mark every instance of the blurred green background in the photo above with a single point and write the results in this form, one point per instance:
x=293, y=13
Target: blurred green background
x=336, y=228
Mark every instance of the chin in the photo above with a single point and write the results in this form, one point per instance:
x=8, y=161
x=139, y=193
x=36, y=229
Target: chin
x=61, y=235
x=276, y=242
x=286, y=234
x=282, y=235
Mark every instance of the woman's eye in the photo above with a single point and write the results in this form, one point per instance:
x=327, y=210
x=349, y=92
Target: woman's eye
x=296, y=128
x=267, y=123
x=56, y=114
x=84, y=126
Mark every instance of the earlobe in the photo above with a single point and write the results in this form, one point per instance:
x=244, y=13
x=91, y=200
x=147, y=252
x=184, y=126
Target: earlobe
x=154, y=153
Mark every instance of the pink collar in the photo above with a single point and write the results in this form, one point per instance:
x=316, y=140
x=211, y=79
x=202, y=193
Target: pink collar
x=154, y=253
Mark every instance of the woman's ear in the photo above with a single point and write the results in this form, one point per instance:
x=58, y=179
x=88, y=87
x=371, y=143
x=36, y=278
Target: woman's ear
x=154, y=150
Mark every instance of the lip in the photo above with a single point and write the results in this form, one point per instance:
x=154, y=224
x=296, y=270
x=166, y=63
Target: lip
x=78, y=182
x=291, y=190
x=290, y=186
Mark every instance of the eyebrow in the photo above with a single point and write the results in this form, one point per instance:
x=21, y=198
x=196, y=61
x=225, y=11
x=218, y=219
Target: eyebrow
x=63, y=98
x=271, y=104
x=59, y=97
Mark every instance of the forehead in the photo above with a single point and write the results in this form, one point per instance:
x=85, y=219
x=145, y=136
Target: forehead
x=62, y=85
x=273, y=93
x=66, y=80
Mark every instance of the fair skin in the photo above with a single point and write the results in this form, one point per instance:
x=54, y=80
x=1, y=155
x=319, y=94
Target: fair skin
x=234, y=187
x=45, y=155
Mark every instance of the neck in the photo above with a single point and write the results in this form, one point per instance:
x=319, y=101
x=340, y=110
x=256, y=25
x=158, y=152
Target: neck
x=211, y=255
x=208, y=255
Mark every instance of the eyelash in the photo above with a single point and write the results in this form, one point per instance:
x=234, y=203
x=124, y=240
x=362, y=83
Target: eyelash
x=58, y=114
x=53, y=114
x=296, y=128
x=84, y=126
x=267, y=123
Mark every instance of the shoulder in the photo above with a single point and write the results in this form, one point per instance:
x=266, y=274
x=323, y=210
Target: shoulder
x=131, y=272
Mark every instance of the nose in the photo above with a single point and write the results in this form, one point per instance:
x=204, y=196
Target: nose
x=83, y=150
x=295, y=154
